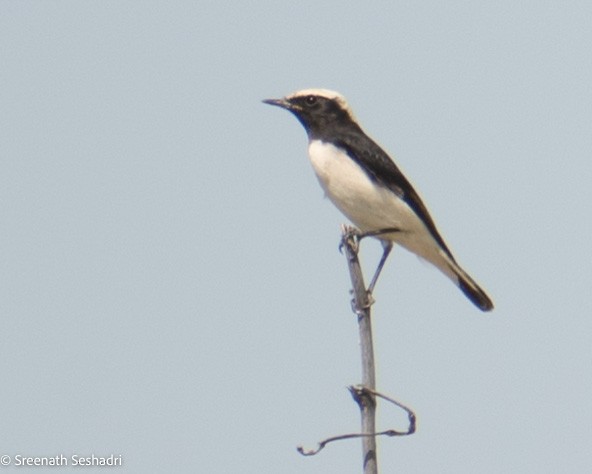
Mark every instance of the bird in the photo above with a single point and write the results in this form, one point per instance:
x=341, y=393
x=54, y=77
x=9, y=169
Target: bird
x=366, y=185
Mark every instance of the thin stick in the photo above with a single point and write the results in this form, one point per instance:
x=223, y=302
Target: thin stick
x=361, y=306
x=365, y=394
x=355, y=390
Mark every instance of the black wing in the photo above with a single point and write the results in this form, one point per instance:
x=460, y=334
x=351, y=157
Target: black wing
x=382, y=170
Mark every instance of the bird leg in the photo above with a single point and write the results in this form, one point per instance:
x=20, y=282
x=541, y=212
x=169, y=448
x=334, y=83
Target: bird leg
x=376, y=233
x=355, y=237
x=387, y=246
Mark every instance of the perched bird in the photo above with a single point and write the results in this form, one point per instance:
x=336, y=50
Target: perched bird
x=366, y=185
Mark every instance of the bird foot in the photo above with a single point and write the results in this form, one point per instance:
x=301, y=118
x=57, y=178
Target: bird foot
x=350, y=236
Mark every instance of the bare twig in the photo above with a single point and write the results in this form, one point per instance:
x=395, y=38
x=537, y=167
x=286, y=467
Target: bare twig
x=356, y=391
x=361, y=305
x=365, y=394
x=322, y=444
x=410, y=413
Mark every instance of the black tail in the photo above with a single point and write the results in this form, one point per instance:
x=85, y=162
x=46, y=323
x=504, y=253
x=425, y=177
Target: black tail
x=474, y=293
x=468, y=286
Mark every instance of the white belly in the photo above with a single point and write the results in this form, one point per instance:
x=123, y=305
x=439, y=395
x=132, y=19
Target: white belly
x=368, y=205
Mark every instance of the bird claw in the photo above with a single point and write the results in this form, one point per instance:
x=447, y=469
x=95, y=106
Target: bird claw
x=349, y=236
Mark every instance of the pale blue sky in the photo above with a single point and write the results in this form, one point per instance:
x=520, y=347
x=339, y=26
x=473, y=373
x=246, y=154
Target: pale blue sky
x=170, y=285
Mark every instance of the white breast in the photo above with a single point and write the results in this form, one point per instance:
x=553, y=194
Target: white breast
x=368, y=205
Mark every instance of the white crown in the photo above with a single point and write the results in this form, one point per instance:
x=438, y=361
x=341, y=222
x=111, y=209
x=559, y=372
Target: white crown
x=327, y=94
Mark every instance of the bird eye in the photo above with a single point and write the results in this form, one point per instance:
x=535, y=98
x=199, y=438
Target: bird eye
x=311, y=100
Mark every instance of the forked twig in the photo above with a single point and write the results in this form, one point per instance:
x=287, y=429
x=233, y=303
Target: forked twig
x=365, y=394
x=358, y=391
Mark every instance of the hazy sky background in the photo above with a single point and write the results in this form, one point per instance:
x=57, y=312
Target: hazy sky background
x=170, y=285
